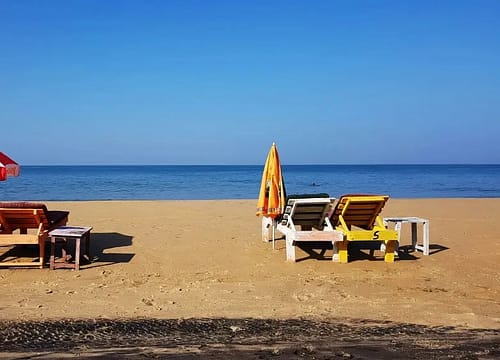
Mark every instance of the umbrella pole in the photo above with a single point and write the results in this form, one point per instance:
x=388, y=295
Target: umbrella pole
x=274, y=227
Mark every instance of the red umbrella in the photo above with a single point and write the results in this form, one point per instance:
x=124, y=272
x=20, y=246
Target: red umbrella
x=8, y=167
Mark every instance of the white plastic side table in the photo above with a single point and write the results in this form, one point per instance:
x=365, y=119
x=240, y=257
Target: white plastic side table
x=399, y=221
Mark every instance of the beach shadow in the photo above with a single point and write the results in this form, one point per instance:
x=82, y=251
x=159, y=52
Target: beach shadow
x=242, y=338
x=100, y=244
x=25, y=253
x=435, y=248
x=358, y=251
x=370, y=250
x=406, y=253
x=315, y=250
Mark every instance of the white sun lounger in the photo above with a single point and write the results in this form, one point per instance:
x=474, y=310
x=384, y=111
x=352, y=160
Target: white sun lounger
x=307, y=220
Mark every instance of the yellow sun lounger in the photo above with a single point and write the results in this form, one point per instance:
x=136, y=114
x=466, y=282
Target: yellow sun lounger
x=358, y=218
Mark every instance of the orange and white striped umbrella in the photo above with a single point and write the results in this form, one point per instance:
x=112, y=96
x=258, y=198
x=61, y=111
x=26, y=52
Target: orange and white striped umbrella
x=272, y=188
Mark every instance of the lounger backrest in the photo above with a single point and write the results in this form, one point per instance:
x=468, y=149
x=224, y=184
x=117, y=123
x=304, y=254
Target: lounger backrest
x=358, y=210
x=22, y=215
x=307, y=213
x=12, y=219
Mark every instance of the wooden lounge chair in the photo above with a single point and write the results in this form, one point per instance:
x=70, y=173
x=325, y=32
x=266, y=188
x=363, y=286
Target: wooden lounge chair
x=306, y=219
x=24, y=223
x=358, y=218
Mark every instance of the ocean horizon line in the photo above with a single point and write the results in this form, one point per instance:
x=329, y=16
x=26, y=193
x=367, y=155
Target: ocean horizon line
x=221, y=165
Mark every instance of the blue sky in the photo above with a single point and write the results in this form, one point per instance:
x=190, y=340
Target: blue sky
x=216, y=82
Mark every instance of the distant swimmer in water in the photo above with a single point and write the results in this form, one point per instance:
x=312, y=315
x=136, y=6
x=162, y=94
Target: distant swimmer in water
x=314, y=184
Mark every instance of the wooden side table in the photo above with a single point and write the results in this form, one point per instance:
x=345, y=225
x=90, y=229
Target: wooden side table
x=398, y=221
x=66, y=233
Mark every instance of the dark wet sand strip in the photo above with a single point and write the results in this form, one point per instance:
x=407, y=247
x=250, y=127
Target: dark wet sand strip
x=243, y=339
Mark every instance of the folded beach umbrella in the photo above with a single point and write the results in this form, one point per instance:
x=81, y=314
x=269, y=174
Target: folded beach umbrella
x=272, y=188
x=8, y=167
x=272, y=191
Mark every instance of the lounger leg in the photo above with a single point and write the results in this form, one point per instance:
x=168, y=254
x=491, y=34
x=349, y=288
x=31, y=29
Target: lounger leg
x=340, y=251
x=52, y=253
x=383, y=248
x=290, y=250
x=265, y=229
x=268, y=226
x=390, y=247
x=41, y=244
x=335, y=256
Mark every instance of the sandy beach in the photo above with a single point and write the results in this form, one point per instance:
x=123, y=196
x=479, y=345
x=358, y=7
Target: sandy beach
x=204, y=261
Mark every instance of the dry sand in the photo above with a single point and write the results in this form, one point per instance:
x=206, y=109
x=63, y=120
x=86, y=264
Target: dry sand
x=204, y=261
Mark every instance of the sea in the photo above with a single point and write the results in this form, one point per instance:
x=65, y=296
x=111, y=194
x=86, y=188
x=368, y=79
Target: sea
x=214, y=182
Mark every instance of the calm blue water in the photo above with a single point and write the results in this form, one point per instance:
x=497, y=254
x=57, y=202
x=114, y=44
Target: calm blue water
x=242, y=182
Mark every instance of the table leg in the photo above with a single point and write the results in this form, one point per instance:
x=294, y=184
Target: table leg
x=77, y=253
x=87, y=248
x=397, y=227
x=414, y=236
x=426, y=237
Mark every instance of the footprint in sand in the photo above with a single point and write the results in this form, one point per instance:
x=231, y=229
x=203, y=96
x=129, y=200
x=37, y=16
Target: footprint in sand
x=302, y=297
x=148, y=302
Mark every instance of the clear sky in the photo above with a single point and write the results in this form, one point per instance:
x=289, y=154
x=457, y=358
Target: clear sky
x=216, y=82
